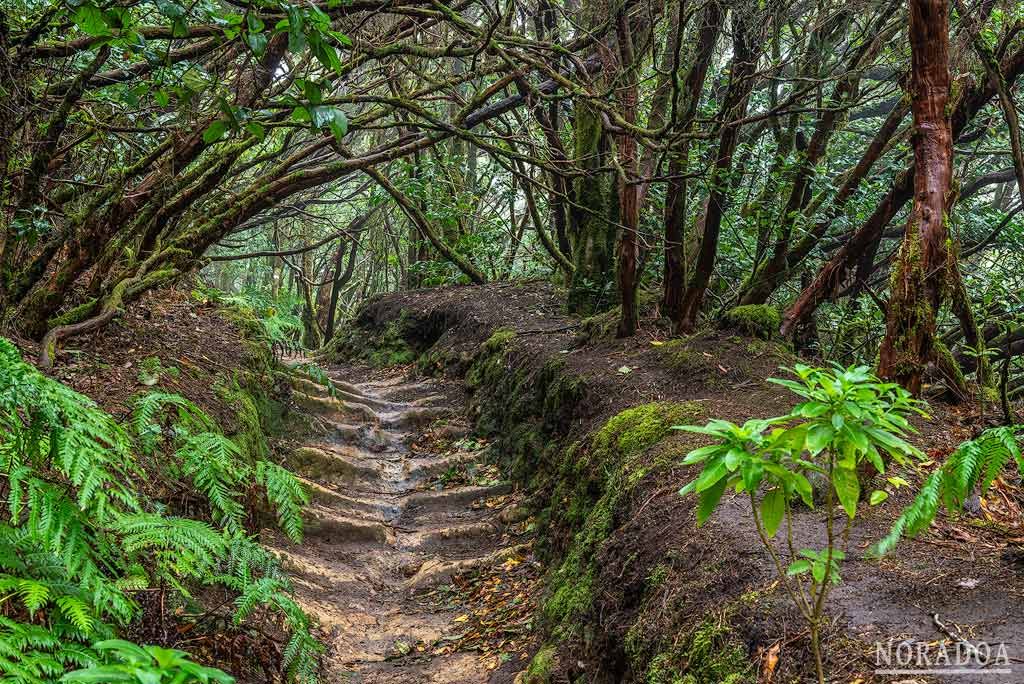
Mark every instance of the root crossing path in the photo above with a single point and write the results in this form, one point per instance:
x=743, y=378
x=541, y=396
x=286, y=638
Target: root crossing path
x=381, y=538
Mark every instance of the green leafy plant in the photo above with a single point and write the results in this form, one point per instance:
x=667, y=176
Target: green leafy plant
x=77, y=538
x=847, y=420
x=215, y=465
x=973, y=465
x=128, y=662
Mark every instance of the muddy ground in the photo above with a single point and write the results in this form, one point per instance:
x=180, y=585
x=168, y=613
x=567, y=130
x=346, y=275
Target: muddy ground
x=661, y=583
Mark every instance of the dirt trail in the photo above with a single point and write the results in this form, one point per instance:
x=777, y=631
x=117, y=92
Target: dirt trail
x=378, y=539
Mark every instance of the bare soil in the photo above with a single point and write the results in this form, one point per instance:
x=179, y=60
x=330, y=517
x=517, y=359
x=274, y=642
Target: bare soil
x=404, y=513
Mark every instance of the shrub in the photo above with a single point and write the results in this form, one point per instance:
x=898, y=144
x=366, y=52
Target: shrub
x=847, y=419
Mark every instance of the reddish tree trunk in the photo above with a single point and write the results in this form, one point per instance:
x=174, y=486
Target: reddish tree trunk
x=833, y=274
x=917, y=287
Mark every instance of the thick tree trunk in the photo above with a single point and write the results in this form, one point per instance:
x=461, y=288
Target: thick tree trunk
x=921, y=271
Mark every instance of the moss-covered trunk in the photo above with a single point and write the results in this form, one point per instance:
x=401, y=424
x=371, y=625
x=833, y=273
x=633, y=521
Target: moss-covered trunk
x=920, y=274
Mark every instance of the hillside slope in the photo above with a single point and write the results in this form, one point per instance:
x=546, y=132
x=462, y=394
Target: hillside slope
x=634, y=590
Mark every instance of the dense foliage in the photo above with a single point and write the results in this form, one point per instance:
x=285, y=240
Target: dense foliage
x=79, y=537
x=721, y=153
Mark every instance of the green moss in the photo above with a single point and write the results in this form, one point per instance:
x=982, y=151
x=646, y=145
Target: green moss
x=678, y=356
x=709, y=655
x=643, y=426
x=387, y=347
x=489, y=364
x=593, y=479
x=541, y=667
x=657, y=576
x=756, y=320
x=602, y=325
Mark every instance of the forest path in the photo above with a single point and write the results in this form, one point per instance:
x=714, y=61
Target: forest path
x=381, y=535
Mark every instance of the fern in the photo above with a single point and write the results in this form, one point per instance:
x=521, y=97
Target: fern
x=318, y=375
x=287, y=495
x=147, y=411
x=77, y=536
x=213, y=463
x=974, y=464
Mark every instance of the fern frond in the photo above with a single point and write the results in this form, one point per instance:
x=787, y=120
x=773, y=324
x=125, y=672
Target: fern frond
x=287, y=495
x=974, y=464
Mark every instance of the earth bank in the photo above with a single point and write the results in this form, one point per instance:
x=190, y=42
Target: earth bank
x=634, y=591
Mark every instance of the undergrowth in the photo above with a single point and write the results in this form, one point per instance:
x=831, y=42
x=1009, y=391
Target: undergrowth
x=973, y=466
x=79, y=537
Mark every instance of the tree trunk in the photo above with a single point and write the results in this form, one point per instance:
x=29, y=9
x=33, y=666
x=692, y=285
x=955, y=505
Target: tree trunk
x=339, y=283
x=921, y=270
x=629, y=190
x=674, y=280
x=722, y=181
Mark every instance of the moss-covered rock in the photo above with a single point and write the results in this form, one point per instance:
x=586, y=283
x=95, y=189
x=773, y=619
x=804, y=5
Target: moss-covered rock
x=755, y=320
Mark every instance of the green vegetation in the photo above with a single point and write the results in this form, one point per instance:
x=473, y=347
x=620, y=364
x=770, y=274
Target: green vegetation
x=595, y=477
x=756, y=320
x=974, y=465
x=80, y=535
x=846, y=419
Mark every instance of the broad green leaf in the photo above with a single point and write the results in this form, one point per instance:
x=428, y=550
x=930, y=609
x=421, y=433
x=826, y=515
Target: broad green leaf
x=798, y=567
x=256, y=130
x=752, y=472
x=257, y=42
x=878, y=496
x=311, y=89
x=254, y=23
x=712, y=473
x=215, y=132
x=169, y=9
x=702, y=454
x=733, y=458
x=773, y=507
x=818, y=571
x=709, y=499
x=90, y=19
x=803, y=487
x=338, y=125
x=847, y=489
x=875, y=458
x=893, y=444
x=819, y=437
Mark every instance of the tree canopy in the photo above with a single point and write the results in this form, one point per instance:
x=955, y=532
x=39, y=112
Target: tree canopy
x=710, y=154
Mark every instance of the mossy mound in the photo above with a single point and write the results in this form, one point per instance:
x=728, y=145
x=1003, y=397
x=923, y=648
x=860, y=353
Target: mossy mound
x=380, y=349
x=709, y=655
x=755, y=320
x=542, y=666
x=593, y=480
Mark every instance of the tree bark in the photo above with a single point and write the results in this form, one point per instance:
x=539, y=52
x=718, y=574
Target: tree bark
x=674, y=280
x=744, y=62
x=921, y=271
x=629, y=190
x=832, y=275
